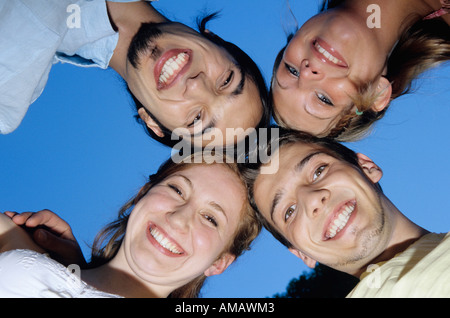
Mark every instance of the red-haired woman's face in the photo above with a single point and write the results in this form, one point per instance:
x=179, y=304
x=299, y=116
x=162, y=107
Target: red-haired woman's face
x=182, y=226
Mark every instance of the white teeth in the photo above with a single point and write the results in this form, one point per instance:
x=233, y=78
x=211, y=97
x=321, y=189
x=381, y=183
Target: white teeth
x=327, y=54
x=172, y=65
x=164, y=242
x=340, y=221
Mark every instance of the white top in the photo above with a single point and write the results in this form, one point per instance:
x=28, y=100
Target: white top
x=422, y=270
x=29, y=274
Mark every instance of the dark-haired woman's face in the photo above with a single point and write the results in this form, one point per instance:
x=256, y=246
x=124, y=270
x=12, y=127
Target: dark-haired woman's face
x=190, y=83
x=318, y=72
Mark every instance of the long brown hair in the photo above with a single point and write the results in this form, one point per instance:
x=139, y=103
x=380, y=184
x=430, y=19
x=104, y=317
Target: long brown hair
x=108, y=241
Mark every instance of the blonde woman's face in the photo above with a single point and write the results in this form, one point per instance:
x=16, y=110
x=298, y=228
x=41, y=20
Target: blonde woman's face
x=180, y=229
x=315, y=80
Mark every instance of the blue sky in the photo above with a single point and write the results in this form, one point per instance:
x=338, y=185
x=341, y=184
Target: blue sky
x=80, y=153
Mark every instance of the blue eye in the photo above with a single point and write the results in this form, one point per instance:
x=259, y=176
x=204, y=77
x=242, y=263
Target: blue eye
x=324, y=99
x=292, y=70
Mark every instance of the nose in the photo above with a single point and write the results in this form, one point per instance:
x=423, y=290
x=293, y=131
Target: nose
x=314, y=201
x=180, y=218
x=198, y=86
x=308, y=71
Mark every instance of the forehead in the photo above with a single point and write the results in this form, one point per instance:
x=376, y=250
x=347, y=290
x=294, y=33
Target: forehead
x=216, y=182
x=242, y=111
x=286, y=159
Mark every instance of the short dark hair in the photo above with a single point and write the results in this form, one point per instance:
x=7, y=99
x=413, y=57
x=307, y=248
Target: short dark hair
x=243, y=60
x=285, y=137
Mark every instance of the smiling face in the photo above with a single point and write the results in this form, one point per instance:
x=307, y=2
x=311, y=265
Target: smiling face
x=326, y=208
x=181, y=228
x=323, y=65
x=186, y=81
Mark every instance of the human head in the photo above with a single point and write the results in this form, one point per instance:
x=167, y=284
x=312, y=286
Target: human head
x=318, y=182
x=218, y=83
x=425, y=44
x=240, y=219
x=320, y=83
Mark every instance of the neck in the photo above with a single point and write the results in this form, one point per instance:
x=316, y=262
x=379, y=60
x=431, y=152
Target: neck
x=127, y=18
x=395, y=17
x=115, y=277
x=400, y=233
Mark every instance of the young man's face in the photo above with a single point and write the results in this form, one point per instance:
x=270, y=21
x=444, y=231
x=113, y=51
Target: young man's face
x=187, y=81
x=326, y=208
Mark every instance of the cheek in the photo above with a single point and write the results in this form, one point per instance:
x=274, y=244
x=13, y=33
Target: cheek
x=296, y=48
x=173, y=114
x=297, y=234
x=207, y=247
x=153, y=205
x=156, y=203
x=287, y=101
x=205, y=240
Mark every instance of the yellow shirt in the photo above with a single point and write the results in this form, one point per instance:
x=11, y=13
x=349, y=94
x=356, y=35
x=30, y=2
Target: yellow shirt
x=422, y=270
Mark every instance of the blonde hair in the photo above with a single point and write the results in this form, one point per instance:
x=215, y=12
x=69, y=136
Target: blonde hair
x=108, y=241
x=353, y=126
x=424, y=45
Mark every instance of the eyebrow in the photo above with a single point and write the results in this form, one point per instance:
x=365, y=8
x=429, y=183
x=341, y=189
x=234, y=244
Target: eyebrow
x=218, y=208
x=297, y=169
x=188, y=181
x=240, y=87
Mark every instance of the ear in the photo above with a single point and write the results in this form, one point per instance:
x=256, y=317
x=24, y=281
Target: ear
x=372, y=171
x=311, y=263
x=220, y=265
x=150, y=122
x=383, y=93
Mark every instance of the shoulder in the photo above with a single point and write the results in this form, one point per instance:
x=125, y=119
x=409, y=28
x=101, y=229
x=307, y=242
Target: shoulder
x=13, y=236
x=26, y=273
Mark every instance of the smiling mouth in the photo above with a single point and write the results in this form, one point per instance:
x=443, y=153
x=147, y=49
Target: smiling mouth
x=170, y=66
x=165, y=242
x=328, y=54
x=340, y=220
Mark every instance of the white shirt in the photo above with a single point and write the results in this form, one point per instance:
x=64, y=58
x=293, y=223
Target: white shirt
x=29, y=274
